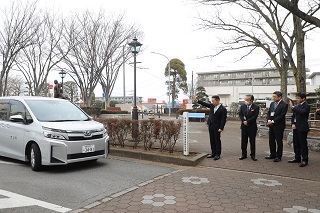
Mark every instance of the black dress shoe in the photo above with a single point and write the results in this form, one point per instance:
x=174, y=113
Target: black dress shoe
x=303, y=164
x=294, y=161
x=242, y=157
x=254, y=158
x=277, y=160
x=269, y=157
x=216, y=157
x=210, y=156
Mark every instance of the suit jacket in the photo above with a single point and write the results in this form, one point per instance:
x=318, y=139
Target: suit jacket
x=279, y=116
x=250, y=117
x=216, y=120
x=300, y=116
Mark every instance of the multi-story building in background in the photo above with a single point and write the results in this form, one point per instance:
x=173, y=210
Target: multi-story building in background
x=233, y=85
x=119, y=99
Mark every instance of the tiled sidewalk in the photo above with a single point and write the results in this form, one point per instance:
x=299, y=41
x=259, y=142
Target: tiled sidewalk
x=215, y=190
x=226, y=185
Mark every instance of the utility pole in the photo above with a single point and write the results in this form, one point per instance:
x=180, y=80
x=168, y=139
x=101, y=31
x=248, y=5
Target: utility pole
x=124, y=76
x=192, y=92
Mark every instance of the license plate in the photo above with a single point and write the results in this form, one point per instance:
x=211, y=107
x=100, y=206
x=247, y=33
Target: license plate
x=88, y=148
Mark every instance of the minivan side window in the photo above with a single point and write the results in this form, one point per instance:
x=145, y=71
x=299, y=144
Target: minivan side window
x=17, y=108
x=4, y=108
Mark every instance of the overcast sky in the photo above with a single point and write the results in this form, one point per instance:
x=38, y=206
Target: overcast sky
x=170, y=28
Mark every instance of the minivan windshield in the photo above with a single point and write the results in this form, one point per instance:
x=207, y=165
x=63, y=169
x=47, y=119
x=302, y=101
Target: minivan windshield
x=56, y=111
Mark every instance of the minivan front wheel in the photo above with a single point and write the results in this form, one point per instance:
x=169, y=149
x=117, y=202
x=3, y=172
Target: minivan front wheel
x=35, y=157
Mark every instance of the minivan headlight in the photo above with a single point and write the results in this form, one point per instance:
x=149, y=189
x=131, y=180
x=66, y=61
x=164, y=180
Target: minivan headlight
x=55, y=134
x=104, y=132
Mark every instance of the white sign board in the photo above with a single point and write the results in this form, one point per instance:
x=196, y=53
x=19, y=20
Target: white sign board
x=186, y=133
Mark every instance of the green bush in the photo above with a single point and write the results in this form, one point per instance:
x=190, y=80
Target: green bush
x=103, y=111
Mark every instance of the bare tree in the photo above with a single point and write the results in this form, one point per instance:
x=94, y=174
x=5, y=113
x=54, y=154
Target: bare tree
x=71, y=90
x=15, y=86
x=93, y=40
x=293, y=7
x=43, y=55
x=265, y=26
x=119, y=55
x=19, y=25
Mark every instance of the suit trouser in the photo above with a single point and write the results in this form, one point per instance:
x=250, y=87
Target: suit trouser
x=215, y=141
x=300, y=145
x=275, y=139
x=248, y=132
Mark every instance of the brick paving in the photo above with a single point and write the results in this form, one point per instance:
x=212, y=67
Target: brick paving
x=226, y=185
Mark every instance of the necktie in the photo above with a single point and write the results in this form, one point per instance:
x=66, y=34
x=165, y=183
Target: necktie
x=275, y=105
x=248, y=109
x=215, y=109
x=299, y=106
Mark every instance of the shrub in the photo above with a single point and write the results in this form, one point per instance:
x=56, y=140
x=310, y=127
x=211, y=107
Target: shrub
x=171, y=132
x=92, y=111
x=122, y=130
x=103, y=111
x=148, y=131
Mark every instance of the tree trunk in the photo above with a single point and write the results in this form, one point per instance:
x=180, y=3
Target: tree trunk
x=300, y=76
x=173, y=88
x=284, y=88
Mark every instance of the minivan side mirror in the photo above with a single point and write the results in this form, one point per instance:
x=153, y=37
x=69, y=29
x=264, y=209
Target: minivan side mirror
x=29, y=121
x=16, y=118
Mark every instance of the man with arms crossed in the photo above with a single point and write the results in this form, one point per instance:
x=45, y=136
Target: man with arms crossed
x=216, y=122
x=248, y=114
x=276, y=118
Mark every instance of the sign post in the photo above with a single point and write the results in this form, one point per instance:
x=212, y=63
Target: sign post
x=186, y=133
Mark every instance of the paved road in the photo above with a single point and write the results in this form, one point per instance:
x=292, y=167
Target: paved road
x=71, y=186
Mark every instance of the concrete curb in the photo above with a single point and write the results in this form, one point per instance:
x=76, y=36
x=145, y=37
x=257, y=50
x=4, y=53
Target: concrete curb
x=165, y=158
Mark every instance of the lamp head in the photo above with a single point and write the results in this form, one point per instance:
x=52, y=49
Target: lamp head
x=135, y=45
x=62, y=73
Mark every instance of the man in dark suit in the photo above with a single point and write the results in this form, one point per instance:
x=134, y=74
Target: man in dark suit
x=300, y=126
x=277, y=123
x=216, y=122
x=248, y=114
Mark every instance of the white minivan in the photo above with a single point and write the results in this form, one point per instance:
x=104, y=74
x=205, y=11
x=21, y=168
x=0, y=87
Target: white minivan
x=49, y=131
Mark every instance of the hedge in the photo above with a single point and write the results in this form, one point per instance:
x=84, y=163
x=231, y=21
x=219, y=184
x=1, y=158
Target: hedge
x=103, y=111
x=163, y=132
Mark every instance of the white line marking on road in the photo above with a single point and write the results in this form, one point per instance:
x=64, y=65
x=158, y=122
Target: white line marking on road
x=14, y=200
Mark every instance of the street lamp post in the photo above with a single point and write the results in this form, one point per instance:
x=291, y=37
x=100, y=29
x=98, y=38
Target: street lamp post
x=169, y=68
x=62, y=74
x=135, y=48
